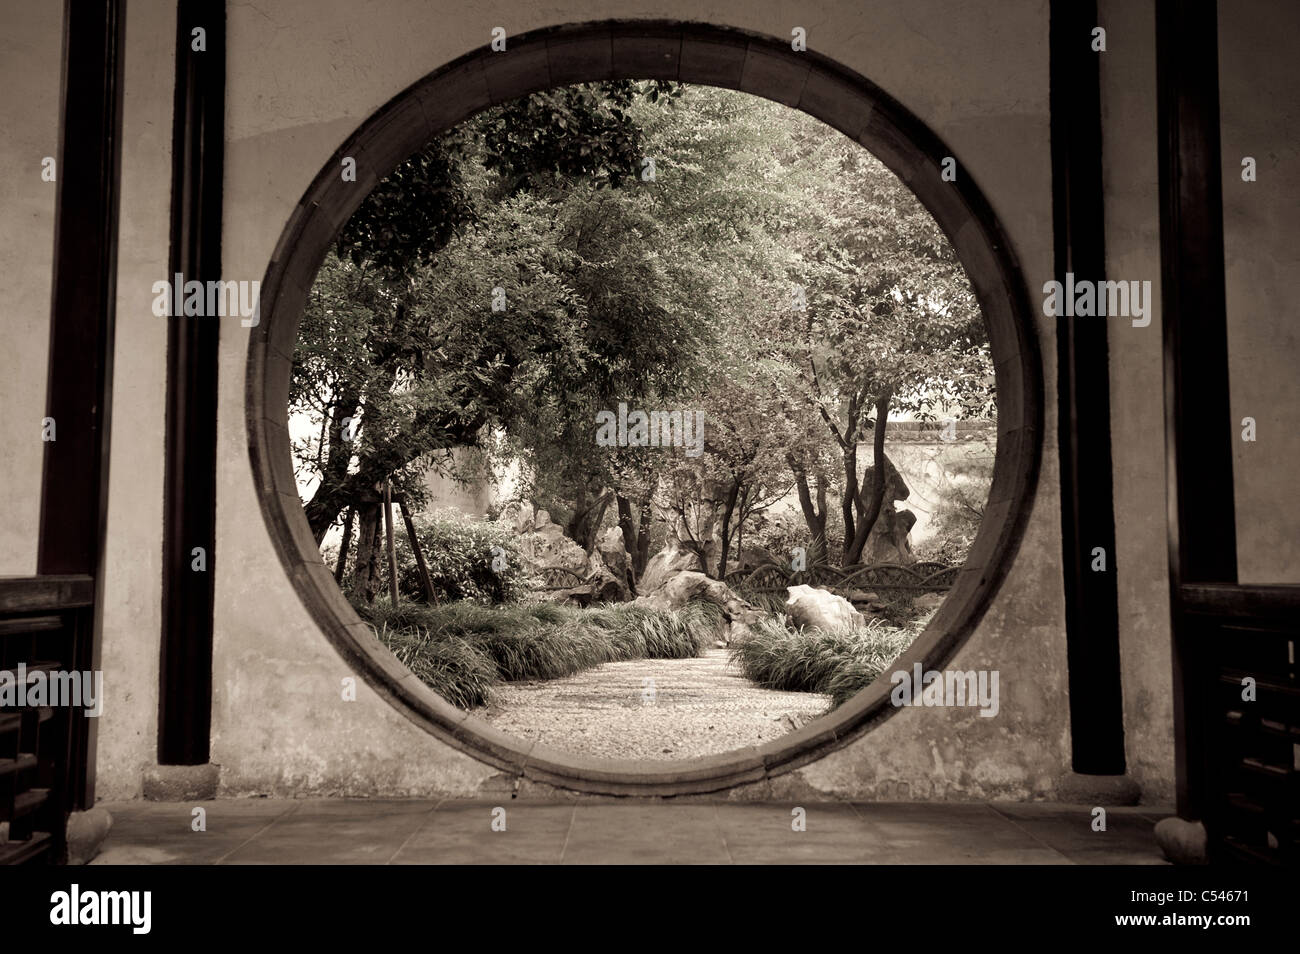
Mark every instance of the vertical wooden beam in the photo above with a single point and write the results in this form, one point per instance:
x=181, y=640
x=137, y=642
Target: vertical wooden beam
x=392, y=548
x=189, y=495
x=1198, y=417
x=74, y=483
x=1083, y=391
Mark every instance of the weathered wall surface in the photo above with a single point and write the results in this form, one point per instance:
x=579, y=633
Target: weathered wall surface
x=302, y=76
x=1128, y=102
x=1259, y=102
x=30, y=51
x=1259, y=109
x=937, y=477
x=128, y=730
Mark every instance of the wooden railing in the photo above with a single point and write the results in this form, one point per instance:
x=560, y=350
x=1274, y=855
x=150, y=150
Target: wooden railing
x=891, y=582
x=1240, y=644
x=44, y=627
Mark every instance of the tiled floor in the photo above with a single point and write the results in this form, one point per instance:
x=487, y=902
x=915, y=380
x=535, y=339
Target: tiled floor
x=392, y=831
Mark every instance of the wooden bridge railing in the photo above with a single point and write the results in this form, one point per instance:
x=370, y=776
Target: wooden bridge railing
x=891, y=582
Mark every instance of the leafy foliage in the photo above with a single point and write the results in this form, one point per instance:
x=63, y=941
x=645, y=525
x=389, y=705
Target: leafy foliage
x=474, y=288
x=957, y=520
x=461, y=649
x=519, y=275
x=468, y=560
x=811, y=660
x=584, y=132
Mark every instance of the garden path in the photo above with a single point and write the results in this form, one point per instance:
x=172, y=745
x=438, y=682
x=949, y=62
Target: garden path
x=651, y=709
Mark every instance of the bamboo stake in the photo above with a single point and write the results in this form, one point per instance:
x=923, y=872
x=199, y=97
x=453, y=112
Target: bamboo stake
x=392, y=549
x=425, y=580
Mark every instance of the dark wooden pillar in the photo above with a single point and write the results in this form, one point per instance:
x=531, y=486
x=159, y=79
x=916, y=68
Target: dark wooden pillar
x=1198, y=420
x=185, y=690
x=1083, y=391
x=74, y=485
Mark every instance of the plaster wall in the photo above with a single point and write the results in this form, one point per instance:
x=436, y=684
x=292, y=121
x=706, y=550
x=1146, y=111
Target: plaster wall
x=1259, y=106
x=132, y=614
x=301, y=77
x=30, y=56
x=1141, y=561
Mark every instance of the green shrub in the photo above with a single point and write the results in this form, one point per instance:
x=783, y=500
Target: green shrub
x=778, y=533
x=455, y=669
x=461, y=553
x=812, y=660
x=783, y=532
x=460, y=649
x=855, y=674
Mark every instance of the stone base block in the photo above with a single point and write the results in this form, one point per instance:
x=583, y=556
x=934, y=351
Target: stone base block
x=1182, y=841
x=86, y=832
x=181, y=783
x=1097, y=789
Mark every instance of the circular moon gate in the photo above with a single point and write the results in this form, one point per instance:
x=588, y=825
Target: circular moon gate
x=692, y=53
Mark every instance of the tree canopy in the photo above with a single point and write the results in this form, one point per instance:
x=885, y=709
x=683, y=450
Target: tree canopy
x=650, y=244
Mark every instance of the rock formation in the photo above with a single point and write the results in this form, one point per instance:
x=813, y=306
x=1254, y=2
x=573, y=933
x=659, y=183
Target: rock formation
x=821, y=609
x=543, y=546
x=688, y=585
x=888, y=541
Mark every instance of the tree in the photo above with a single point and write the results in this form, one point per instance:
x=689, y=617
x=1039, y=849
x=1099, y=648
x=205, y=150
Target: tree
x=373, y=345
x=519, y=277
x=890, y=323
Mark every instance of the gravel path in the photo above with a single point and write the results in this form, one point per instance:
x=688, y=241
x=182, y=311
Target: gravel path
x=698, y=706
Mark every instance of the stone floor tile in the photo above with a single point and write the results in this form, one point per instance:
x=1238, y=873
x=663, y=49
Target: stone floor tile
x=651, y=833
x=335, y=832
x=764, y=834
x=162, y=832
x=604, y=831
x=1068, y=829
x=461, y=833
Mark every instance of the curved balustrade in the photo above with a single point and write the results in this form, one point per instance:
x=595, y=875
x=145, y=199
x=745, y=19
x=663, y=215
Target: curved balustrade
x=890, y=582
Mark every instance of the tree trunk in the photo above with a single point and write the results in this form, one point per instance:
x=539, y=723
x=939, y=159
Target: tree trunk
x=740, y=527
x=341, y=568
x=880, y=483
x=631, y=543
x=814, y=515
x=636, y=534
x=847, y=501
x=587, y=516
x=376, y=549
x=335, y=469
x=727, y=510
x=361, y=572
x=642, y=555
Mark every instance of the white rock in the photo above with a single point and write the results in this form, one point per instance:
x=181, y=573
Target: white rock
x=821, y=609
